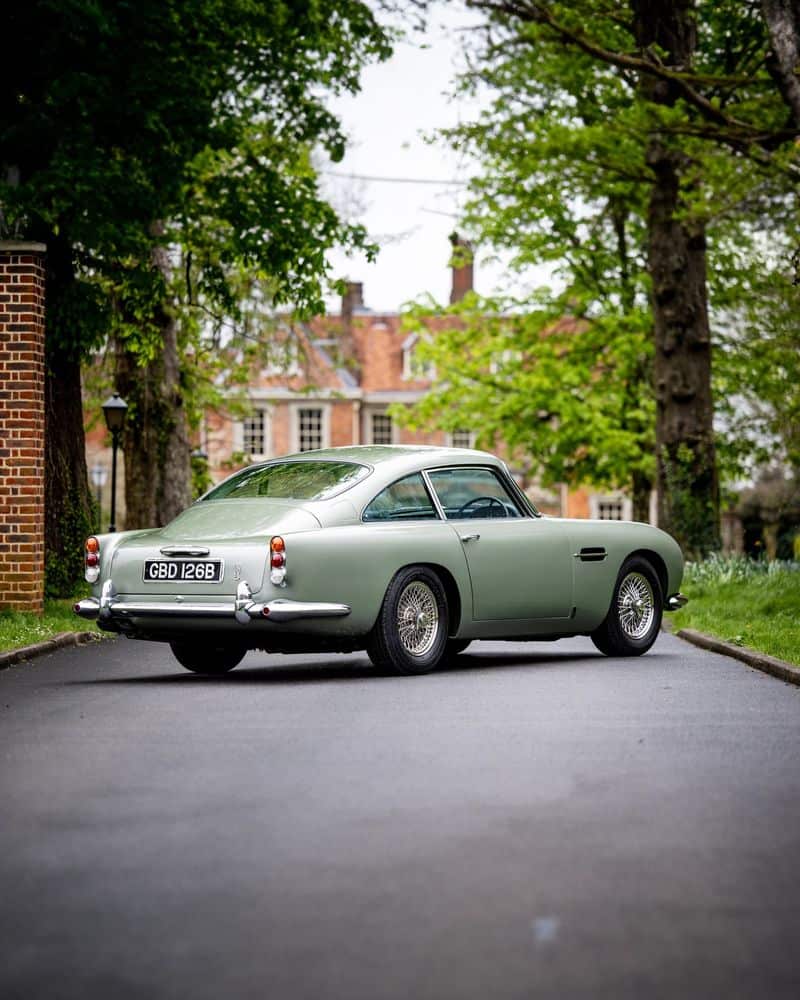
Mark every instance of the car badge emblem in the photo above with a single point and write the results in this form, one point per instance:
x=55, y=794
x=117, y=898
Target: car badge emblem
x=178, y=598
x=237, y=572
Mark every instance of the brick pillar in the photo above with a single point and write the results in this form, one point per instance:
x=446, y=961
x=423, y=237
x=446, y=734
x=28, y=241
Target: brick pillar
x=22, y=425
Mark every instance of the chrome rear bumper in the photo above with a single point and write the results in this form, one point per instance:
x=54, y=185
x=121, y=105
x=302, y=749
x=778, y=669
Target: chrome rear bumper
x=243, y=609
x=675, y=602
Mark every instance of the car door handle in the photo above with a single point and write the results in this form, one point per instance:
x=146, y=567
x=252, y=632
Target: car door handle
x=470, y=538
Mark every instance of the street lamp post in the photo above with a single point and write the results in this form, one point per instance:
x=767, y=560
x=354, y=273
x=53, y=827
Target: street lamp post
x=114, y=410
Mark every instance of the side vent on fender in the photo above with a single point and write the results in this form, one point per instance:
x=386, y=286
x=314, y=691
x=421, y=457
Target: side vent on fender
x=592, y=554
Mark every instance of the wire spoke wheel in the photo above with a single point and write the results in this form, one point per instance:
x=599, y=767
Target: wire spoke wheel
x=417, y=618
x=410, y=633
x=635, y=605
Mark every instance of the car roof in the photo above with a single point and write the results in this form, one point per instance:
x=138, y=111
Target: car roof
x=377, y=454
x=387, y=463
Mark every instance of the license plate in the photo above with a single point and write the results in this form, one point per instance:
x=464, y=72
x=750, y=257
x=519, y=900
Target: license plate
x=183, y=570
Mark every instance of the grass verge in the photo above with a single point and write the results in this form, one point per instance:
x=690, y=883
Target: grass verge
x=23, y=628
x=744, y=602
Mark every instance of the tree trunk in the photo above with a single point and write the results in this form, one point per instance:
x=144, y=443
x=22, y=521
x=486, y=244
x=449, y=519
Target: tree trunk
x=69, y=506
x=782, y=18
x=156, y=440
x=688, y=492
x=641, y=488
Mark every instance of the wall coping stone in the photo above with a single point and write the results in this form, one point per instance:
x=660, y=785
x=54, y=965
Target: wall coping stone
x=22, y=246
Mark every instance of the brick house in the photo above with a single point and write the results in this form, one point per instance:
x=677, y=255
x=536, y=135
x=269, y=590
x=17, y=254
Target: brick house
x=340, y=374
x=330, y=382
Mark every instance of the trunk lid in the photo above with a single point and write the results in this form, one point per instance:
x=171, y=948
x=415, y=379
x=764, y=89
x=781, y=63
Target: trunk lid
x=234, y=531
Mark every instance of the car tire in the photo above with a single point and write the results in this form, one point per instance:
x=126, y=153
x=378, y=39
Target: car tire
x=402, y=643
x=207, y=657
x=631, y=626
x=456, y=646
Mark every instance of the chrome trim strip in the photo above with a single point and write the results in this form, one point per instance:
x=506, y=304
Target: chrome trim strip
x=184, y=550
x=433, y=495
x=522, y=496
x=129, y=609
x=504, y=478
x=243, y=609
x=284, y=611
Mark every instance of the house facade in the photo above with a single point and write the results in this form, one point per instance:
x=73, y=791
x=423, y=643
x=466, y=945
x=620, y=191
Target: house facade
x=340, y=375
x=329, y=383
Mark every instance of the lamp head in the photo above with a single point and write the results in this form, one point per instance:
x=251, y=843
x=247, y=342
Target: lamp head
x=114, y=410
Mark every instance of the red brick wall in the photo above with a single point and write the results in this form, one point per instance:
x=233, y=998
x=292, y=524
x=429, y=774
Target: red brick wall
x=281, y=431
x=578, y=503
x=21, y=425
x=342, y=424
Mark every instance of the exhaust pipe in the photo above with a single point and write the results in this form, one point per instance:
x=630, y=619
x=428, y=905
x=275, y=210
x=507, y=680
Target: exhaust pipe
x=89, y=607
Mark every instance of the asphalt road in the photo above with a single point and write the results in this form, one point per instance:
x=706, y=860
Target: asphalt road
x=537, y=821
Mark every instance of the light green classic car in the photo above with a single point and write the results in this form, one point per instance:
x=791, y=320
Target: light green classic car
x=407, y=552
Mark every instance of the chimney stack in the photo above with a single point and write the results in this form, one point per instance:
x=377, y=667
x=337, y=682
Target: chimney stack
x=462, y=267
x=352, y=300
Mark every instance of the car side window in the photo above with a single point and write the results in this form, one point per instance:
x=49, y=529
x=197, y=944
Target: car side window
x=405, y=500
x=472, y=493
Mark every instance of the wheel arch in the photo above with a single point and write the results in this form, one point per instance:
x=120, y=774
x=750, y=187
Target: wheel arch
x=454, y=603
x=658, y=564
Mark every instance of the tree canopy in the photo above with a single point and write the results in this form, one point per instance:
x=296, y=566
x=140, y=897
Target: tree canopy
x=155, y=111
x=140, y=132
x=621, y=146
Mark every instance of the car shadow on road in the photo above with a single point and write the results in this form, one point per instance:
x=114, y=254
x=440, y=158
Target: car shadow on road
x=326, y=670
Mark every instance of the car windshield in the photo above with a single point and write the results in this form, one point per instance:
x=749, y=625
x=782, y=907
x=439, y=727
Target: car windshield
x=291, y=481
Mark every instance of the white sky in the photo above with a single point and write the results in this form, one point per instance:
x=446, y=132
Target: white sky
x=399, y=101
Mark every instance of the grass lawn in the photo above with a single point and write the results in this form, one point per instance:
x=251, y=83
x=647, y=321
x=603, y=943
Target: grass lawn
x=750, y=604
x=22, y=628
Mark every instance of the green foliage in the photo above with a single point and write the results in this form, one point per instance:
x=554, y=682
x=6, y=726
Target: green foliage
x=64, y=569
x=565, y=395
x=688, y=502
x=718, y=569
x=565, y=376
x=179, y=127
x=563, y=183
x=201, y=479
x=135, y=123
x=746, y=602
x=24, y=628
x=755, y=307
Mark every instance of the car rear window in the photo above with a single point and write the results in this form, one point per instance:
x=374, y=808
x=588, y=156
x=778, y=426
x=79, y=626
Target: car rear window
x=291, y=481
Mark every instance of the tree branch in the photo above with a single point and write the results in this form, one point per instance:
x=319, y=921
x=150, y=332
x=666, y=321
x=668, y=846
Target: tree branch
x=532, y=12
